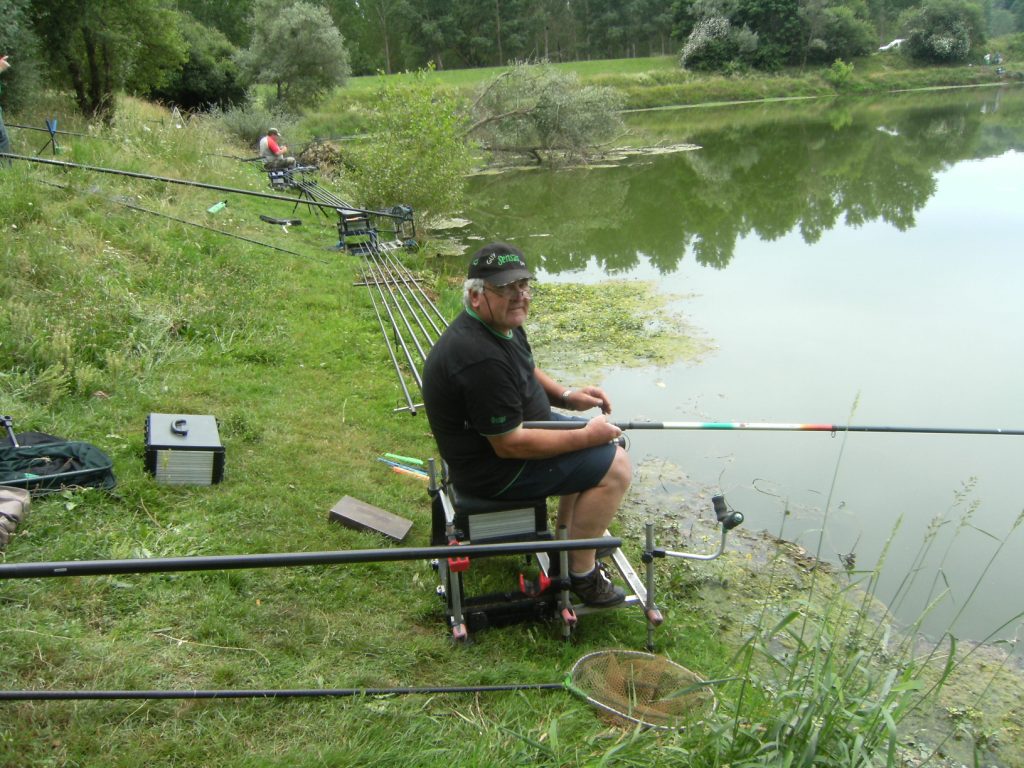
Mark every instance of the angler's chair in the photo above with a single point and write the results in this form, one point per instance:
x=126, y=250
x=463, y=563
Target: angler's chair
x=459, y=518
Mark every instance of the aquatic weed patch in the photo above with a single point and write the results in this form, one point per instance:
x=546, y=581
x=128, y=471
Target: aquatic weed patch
x=614, y=323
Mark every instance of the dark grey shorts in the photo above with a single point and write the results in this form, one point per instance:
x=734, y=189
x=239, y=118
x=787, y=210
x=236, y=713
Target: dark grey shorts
x=561, y=475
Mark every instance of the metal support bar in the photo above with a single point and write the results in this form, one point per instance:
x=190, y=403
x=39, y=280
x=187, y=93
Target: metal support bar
x=693, y=555
x=653, y=613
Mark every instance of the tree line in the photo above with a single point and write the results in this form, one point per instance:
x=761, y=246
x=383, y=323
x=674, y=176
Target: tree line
x=196, y=53
x=396, y=35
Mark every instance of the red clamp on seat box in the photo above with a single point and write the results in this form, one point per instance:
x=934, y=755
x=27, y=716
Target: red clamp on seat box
x=457, y=564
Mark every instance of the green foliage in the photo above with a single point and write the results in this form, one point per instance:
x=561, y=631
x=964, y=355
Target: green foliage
x=297, y=49
x=769, y=34
x=418, y=155
x=99, y=47
x=714, y=44
x=780, y=33
x=230, y=19
x=943, y=31
x=1002, y=21
x=19, y=43
x=209, y=76
x=537, y=108
x=1011, y=46
x=249, y=122
x=839, y=74
x=92, y=301
x=846, y=34
x=827, y=681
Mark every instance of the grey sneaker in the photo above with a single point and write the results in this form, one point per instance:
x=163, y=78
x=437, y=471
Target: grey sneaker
x=596, y=589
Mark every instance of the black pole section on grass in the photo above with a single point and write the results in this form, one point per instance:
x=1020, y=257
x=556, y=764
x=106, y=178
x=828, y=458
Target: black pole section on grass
x=269, y=693
x=289, y=559
x=185, y=182
x=725, y=426
x=140, y=209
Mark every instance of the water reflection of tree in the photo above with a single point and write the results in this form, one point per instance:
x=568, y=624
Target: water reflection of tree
x=766, y=177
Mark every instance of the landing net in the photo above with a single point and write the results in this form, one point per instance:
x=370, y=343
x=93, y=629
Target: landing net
x=643, y=689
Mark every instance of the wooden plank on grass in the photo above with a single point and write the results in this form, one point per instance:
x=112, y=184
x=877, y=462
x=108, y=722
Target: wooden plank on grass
x=353, y=513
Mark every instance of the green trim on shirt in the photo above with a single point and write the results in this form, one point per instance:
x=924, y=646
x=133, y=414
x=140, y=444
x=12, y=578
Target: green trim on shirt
x=483, y=322
x=513, y=480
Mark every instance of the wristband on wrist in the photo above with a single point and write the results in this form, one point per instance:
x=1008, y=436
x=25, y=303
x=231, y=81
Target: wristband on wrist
x=566, y=395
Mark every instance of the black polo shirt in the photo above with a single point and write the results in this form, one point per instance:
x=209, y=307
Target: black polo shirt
x=477, y=382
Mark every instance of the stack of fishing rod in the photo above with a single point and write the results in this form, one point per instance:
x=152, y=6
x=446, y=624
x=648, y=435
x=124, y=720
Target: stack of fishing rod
x=316, y=192
x=409, y=320
x=356, y=227
x=310, y=190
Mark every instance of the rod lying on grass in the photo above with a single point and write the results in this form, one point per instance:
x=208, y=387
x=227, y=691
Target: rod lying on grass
x=634, y=688
x=288, y=559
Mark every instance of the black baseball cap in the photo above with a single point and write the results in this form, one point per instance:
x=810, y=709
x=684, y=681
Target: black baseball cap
x=498, y=264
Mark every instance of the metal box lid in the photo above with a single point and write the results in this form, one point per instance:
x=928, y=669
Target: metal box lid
x=182, y=431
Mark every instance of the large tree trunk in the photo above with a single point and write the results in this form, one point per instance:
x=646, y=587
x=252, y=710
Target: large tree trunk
x=91, y=88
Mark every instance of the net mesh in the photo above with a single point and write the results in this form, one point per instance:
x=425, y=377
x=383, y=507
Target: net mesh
x=643, y=688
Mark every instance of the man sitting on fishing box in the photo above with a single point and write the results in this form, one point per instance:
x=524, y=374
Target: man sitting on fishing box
x=480, y=383
x=274, y=156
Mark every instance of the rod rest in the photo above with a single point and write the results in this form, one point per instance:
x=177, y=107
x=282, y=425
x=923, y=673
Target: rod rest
x=729, y=518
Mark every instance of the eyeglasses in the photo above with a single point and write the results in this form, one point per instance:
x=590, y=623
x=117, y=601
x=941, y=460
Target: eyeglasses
x=512, y=290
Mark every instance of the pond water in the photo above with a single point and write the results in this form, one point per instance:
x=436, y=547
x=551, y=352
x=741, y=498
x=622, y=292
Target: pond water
x=852, y=263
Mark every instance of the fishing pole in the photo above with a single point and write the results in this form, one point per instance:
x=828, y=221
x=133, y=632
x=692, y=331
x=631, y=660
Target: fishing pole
x=631, y=686
x=399, y=465
x=407, y=459
x=388, y=281
x=255, y=159
x=273, y=693
x=350, y=137
x=387, y=341
x=394, y=326
x=407, y=278
x=769, y=427
x=411, y=473
x=316, y=192
x=290, y=559
x=140, y=209
x=61, y=133
x=185, y=182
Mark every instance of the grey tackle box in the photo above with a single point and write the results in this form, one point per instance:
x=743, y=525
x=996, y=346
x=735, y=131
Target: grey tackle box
x=184, y=449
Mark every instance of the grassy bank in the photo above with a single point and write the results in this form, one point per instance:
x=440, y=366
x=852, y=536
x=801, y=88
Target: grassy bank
x=658, y=82
x=110, y=313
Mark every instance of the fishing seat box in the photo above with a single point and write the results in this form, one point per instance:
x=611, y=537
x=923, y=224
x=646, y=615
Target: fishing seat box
x=184, y=449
